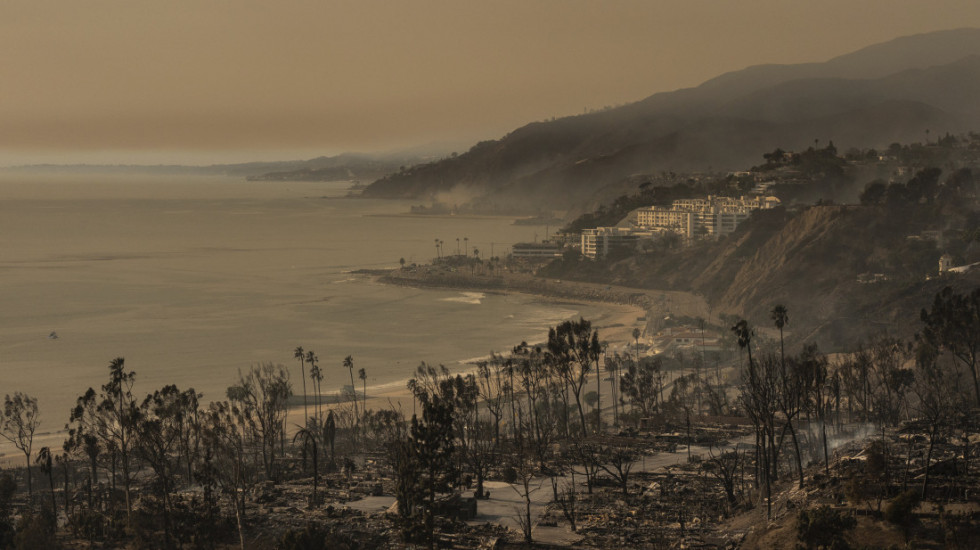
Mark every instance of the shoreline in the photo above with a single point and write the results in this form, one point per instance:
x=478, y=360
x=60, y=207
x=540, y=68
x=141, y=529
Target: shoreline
x=624, y=309
x=615, y=326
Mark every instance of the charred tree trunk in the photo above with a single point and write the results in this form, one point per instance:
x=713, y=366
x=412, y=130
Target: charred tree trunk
x=796, y=449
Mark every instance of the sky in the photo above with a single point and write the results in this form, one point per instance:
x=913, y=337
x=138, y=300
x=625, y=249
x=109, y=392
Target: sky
x=209, y=81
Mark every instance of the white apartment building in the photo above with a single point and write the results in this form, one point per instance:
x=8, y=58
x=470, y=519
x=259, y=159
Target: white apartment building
x=712, y=217
x=599, y=241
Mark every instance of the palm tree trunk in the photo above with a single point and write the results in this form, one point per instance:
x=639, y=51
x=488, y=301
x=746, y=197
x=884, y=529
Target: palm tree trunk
x=302, y=375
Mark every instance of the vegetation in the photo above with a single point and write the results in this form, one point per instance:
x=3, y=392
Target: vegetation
x=520, y=417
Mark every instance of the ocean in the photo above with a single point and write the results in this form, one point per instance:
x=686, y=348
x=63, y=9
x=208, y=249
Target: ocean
x=191, y=279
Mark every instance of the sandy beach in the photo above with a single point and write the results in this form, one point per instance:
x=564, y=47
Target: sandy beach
x=622, y=309
x=615, y=326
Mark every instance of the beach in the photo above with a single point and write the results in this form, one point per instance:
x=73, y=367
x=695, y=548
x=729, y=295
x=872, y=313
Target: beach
x=618, y=311
x=615, y=325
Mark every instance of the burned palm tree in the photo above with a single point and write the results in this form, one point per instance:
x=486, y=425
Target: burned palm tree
x=298, y=353
x=315, y=376
x=309, y=440
x=349, y=365
x=362, y=375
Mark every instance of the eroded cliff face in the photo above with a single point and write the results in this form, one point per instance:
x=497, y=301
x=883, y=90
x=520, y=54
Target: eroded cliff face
x=819, y=263
x=803, y=264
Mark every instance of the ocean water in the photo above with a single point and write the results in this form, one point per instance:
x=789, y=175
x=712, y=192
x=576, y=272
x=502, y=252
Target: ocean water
x=192, y=278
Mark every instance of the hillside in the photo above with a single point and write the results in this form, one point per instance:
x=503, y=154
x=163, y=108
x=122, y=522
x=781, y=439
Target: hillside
x=819, y=262
x=881, y=94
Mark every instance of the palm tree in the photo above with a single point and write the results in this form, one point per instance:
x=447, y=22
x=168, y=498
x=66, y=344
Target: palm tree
x=466, y=246
x=438, y=253
x=330, y=432
x=743, y=333
x=298, y=354
x=310, y=439
x=781, y=318
x=362, y=374
x=457, y=246
x=43, y=460
x=349, y=365
x=315, y=377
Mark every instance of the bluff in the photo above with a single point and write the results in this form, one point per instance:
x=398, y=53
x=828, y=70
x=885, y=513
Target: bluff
x=820, y=263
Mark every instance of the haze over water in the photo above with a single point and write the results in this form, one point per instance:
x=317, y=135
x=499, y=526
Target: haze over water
x=192, y=278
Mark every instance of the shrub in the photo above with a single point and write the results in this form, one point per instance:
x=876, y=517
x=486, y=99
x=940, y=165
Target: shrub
x=35, y=531
x=824, y=527
x=899, y=510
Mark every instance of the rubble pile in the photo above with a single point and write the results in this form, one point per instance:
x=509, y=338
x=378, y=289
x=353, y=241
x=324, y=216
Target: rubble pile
x=676, y=508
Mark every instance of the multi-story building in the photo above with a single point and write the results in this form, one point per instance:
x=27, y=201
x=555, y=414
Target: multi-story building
x=542, y=250
x=599, y=241
x=712, y=217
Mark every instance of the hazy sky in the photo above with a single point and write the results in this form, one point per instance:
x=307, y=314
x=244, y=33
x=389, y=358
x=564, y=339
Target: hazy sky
x=215, y=81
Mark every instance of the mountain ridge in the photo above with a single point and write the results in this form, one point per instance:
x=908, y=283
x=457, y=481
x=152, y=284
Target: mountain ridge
x=721, y=124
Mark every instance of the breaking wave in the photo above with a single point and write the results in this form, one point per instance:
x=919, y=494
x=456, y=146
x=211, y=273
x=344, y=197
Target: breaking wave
x=475, y=298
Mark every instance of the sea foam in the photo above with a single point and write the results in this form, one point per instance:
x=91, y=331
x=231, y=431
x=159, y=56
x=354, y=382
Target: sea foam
x=475, y=298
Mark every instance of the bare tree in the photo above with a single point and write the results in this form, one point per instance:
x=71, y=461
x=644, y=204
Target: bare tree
x=480, y=451
x=529, y=364
x=261, y=396
x=589, y=456
x=566, y=499
x=724, y=467
x=492, y=389
x=936, y=389
x=108, y=420
x=18, y=423
x=953, y=325
x=525, y=488
x=640, y=385
x=225, y=435
x=618, y=460
x=424, y=461
x=575, y=348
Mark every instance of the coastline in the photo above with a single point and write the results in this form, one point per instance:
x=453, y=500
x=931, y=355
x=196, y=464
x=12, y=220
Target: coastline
x=624, y=309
